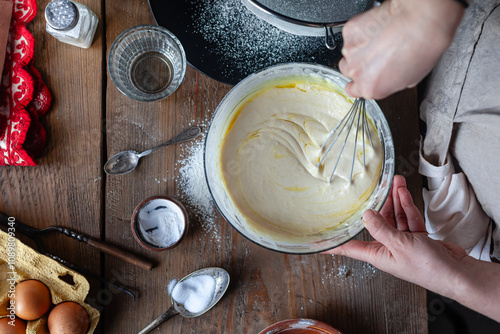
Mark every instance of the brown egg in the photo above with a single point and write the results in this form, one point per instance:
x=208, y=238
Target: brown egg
x=32, y=299
x=3, y=308
x=68, y=318
x=18, y=327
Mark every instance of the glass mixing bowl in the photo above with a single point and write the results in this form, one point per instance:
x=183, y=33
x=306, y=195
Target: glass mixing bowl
x=213, y=170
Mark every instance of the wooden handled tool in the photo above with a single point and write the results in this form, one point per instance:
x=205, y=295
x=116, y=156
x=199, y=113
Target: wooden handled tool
x=102, y=246
x=119, y=253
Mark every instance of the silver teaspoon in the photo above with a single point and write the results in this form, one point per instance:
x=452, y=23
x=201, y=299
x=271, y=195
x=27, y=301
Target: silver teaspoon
x=126, y=161
x=221, y=283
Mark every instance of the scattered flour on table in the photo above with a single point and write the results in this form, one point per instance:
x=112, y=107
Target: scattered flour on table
x=164, y=179
x=344, y=272
x=247, y=42
x=193, y=188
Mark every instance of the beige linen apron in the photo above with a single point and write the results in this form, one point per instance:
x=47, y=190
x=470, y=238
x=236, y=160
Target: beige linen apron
x=460, y=155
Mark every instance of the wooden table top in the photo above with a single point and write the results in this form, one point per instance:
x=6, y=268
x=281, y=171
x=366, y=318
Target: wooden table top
x=91, y=120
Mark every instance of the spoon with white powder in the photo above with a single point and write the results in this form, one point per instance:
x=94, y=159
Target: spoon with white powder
x=193, y=295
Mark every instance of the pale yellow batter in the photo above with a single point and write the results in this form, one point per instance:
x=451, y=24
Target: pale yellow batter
x=270, y=155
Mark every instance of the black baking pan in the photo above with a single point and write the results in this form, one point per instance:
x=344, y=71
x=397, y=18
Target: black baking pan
x=227, y=42
x=309, y=17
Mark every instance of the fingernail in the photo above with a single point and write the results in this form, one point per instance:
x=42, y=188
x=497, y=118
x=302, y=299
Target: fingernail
x=368, y=214
x=351, y=72
x=352, y=91
x=344, y=51
x=348, y=87
x=402, y=192
x=403, y=180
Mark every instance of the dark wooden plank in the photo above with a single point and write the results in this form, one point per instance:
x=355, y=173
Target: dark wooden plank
x=401, y=112
x=135, y=125
x=66, y=188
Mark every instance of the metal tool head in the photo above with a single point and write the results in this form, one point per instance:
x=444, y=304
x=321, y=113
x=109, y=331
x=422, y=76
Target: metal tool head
x=356, y=114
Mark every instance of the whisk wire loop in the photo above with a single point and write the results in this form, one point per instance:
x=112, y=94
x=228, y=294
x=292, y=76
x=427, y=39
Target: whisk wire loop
x=351, y=120
x=363, y=136
x=356, y=114
x=366, y=124
x=343, y=123
x=355, y=145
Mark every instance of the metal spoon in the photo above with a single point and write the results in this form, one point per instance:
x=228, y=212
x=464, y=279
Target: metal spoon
x=126, y=161
x=221, y=283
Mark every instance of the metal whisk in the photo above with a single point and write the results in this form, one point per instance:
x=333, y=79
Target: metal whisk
x=357, y=111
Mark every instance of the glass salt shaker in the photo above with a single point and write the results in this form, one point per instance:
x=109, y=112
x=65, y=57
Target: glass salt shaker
x=71, y=22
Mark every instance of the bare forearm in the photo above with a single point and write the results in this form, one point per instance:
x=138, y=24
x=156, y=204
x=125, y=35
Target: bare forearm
x=403, y=249
x=478, y=287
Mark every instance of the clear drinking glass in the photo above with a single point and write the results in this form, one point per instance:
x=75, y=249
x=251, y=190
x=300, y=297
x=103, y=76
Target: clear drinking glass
x=213, y=171
x=147, y=63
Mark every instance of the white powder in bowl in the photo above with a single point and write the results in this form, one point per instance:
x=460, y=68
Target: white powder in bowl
x=194, y=293
x=161, y=222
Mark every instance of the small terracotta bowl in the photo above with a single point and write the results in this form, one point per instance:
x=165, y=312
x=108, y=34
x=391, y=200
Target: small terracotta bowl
x=138, y=234
x=300, y=326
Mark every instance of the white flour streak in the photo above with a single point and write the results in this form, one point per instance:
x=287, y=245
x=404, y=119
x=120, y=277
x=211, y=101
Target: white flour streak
x=193, y=188
x=246, y=42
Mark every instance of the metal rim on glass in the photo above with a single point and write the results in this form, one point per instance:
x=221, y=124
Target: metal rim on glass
x=213, y=173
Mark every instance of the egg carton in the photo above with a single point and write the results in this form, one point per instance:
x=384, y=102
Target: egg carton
x=29, y=264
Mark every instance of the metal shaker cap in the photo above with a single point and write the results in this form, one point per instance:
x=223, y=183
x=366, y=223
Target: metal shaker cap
x=61, y=14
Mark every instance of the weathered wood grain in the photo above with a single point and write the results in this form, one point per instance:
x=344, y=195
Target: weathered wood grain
x=266, y=286
x=91, y=120
x=66, y=188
